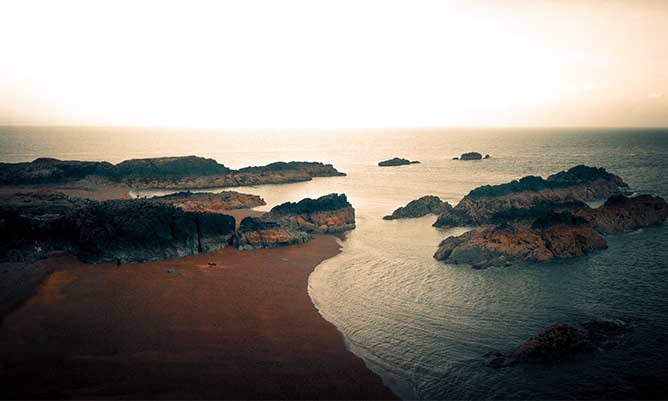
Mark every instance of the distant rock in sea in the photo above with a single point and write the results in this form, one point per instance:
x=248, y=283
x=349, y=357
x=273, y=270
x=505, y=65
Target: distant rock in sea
x=397, y=161
x=561, y=342
x=420, y=207
x=470, y=156
x=291, y=223
x=210, y=202
x=183, y=172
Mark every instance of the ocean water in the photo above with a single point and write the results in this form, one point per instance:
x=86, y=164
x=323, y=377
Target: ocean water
x=423, y=325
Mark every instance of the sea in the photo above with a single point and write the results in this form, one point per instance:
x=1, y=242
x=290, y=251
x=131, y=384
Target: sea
x=425, y=326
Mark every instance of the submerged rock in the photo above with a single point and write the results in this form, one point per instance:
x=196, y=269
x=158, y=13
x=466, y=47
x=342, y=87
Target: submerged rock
x=420, y=207
x=561, y=342
x=397, y=161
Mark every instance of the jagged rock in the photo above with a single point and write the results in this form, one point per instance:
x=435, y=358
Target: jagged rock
x=254, y=233
x=420, y=207
x=183, y=172
x=328, y=214
x=562, y=342
x=397, y=161
x=580, y=183
x=620, y=213
x=470, y=156
x=111, y=231
x=210, y=202
x=541, y=234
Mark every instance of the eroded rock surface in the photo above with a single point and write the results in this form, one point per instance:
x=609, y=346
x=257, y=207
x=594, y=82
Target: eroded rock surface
x=210, y=202
x=420, y=207
x=580, y=183
x=291, y=223
x=545, y=234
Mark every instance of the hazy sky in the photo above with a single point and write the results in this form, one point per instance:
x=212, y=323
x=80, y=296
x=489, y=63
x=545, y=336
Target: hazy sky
x=334, y=63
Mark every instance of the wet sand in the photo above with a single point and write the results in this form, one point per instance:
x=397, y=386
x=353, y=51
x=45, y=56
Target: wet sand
x=242, y=328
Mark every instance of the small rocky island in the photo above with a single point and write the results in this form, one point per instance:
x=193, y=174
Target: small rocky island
x=536, y=219
x=471, y=156
x=420, y=207
x=34, y=224
x=397, y=161
x=183, y=172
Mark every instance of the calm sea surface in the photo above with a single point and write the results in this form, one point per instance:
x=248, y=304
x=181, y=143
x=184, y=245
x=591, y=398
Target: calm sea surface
x=421, y=324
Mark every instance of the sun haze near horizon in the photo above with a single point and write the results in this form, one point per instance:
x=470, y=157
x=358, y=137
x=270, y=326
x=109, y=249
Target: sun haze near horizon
x=272, y=64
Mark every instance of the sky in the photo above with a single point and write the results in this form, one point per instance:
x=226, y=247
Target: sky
x=334, y=64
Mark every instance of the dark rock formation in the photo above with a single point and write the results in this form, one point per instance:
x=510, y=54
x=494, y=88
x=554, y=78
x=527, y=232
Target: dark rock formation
x=420, y=207
x=210, y=202
x=540, y=233
x=328, y=214
x=470, y=156
x=562, y=342
x=397, y=161
x=32, y=224
x=292, y=223
x=164, y=172
x=486, y=157
x=254, y=233
x=580, y=183
x=46, y=170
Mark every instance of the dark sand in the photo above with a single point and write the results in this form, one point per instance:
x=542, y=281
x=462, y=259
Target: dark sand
x=244, y=328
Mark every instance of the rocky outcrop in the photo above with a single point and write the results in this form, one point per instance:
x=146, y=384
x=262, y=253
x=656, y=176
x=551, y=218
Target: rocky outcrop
x=293, y=223
x=397, y=161
x=328, y=214
x=255, y=233
x=562, y=342
x=122, y=231
x=470, y=156
x=420, y=207
x=186, y=172
x=210, y=202
x=580, y=183
x=541, y=234
x=620, y=213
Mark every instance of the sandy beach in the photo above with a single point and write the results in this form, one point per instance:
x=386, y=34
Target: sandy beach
x=228, y=324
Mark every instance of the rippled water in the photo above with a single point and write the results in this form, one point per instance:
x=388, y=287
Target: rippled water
x=424, y=325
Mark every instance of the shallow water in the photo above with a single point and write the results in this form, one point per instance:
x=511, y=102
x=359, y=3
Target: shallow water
x=423, y=325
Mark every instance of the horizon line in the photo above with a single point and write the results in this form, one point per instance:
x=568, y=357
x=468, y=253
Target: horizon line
x=3, y=125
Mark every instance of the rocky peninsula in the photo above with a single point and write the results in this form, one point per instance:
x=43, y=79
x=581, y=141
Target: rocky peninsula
x=397, y=161
x=218, y=202
x=420, y=207
x=184, y=172
x=539, y=220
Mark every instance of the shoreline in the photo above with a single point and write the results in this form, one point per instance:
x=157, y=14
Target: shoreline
x=245, y=327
